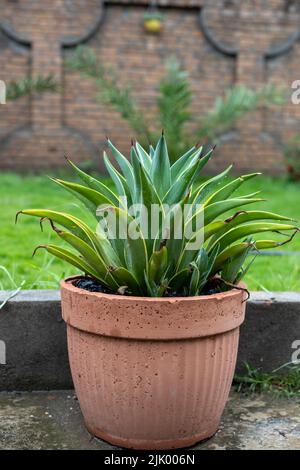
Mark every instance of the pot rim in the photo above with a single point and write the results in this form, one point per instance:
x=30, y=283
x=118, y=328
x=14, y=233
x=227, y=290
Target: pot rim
x=68, y=282
x=151, y=318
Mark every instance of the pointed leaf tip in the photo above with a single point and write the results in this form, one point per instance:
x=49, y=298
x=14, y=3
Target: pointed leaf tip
x=17, y=216
x=56, y=229
x=37, y=248
x=42, y=219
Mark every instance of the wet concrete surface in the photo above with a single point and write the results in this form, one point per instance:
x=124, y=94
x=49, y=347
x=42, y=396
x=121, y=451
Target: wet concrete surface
x=52, y=420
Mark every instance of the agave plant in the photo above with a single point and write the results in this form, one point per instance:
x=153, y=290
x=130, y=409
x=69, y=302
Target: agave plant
x=161, y=263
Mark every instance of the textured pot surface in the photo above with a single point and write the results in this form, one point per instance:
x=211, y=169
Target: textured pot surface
x=152, y=373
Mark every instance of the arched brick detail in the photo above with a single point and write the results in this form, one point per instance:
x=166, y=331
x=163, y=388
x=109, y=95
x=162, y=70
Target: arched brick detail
x=232, y=42
x=45, y=31
x=254, y=33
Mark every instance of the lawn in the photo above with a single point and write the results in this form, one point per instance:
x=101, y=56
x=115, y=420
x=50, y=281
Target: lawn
x=44, y=272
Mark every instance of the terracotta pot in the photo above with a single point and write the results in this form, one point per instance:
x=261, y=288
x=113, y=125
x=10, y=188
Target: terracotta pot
x=152, y=373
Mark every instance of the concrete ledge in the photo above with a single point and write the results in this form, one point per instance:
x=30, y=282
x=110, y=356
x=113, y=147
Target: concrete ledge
x=34, y=336
x=271, y=330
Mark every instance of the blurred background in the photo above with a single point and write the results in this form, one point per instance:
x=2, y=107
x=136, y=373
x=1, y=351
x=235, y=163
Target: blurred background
x=215, y=71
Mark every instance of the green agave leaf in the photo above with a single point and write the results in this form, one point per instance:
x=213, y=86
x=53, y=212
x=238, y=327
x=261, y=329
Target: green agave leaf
x=151, y=152
x=70, y=222
x=95, y=184
x=119, y=181
x=185, y=259
x=74, y=225
x=188, y=255
x=245, y=230
x=185, y=253
x=80, y=229
x=202, y=193
x=91, y=198
x=205, y=264
x=269, y=244
x=136, y=166
x=180, y=279
x=211, y=212
x=72, y=259
x=182, y=185
x=212, y=257
x=144, y=157
x=231, y=252
x=90, y=256
x=123, y=164
x=213, y=228
x=233, y=266
x=132, y=244
x=149, y=199
x=247, y=196
x=123, y=277
x=195, y=278
x=162, y=288
x=182, y=163
x=202, y=263
x=114, y=230
x=146, y=192
x=158, y=264
x=160, y=168
x=202, y=260
x=226, y=191
x=241, y=218
x=173, y=234
x=149, y=194
x=153, y=289
x=214, y=210
x=131, y=251
x=243, y=271
x=217, y=228
x=239, y=248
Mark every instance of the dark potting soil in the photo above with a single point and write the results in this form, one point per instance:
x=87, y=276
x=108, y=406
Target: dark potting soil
x=93, y=286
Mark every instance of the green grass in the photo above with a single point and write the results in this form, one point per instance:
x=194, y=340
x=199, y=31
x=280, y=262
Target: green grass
x=44, y=272
x=17, y=241
x=276, y=273
x=284, y=381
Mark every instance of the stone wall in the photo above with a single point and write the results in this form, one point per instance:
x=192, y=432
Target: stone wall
x=220, y=43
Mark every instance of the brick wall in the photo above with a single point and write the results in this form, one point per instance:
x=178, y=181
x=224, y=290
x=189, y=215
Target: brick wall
x=220, y=43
